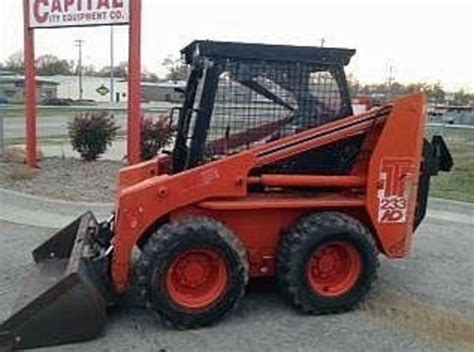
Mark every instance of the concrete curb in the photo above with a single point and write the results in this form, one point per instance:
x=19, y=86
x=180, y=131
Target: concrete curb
x=26, y=209
x=440, y=202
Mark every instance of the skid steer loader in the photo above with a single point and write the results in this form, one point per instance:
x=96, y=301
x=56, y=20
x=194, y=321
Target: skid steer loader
x=271, y=175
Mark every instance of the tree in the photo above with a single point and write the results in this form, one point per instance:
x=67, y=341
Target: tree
x=461, y=97
x=149, y=77
x=89, y=70
x=354, y=85
x=120, y=71
x=50, y=65
x=435, y=92
x=177, y=70
x=15, y=63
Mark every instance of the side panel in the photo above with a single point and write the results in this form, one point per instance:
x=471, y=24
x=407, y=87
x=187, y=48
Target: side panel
x=260, y=221
x=134, y=174
x=260, y=232
x=143, y=204
x=393, y=175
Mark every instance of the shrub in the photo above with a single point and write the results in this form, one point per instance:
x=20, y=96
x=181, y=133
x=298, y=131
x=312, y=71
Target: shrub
x=155, y=134
x=91, y=133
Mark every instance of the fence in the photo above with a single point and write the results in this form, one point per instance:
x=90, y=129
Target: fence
x=461, y=136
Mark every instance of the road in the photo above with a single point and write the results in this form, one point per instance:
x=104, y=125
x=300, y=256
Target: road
x=423, y=303
x=56, y=124
x=48, y=125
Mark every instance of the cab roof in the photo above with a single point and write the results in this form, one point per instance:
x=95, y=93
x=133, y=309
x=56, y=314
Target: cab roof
x=218, y=50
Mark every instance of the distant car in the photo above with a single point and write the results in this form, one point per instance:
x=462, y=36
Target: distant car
x=84, y=102
x=57, y=101
x=3, y=101
x=449, y=118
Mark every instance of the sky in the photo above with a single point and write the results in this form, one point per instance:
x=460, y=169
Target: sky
x=427, y=41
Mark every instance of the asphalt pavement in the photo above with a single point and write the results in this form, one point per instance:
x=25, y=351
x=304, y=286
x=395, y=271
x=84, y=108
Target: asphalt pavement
x=423, y=303
x=56, y=124
x=48, y=125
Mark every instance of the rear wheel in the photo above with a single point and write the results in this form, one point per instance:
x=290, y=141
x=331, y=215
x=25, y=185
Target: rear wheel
x=327, y=263
x=192, y=272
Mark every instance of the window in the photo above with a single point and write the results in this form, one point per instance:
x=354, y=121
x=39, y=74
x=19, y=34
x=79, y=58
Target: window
x=324, y=89
x=258, y=102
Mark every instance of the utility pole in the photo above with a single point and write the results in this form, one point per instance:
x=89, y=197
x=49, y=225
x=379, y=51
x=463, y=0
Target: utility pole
x=390, y=80
x=79, y=43
x=322, y=42
x=112, y=93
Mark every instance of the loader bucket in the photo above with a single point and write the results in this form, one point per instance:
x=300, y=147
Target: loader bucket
x=63, y=298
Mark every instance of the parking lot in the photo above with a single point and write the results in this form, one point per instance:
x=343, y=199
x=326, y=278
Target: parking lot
x=423, y=303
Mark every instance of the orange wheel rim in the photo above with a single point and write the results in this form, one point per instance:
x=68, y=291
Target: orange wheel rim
x=334, y=269
x=197, y=278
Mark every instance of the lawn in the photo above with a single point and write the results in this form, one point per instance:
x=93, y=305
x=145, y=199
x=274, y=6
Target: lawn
x=459, y=183
x=18, y=111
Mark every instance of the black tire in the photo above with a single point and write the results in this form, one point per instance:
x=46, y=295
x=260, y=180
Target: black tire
x=297, y=248
x=162, y=249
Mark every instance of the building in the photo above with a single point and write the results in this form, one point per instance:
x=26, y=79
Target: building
x=93, y=88
x=12, y=88
x=98, y=89
x=171, y=91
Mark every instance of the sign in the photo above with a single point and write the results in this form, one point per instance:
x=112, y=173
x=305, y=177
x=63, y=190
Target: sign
x=74, y=13
x=395, y=178
x=103, y=90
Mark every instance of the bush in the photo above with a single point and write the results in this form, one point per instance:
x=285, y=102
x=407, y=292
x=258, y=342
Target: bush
x=155, y=134
x=92, y=133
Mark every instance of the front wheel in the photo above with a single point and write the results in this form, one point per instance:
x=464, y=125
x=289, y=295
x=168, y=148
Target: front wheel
x=327, y=263
x=192, y=272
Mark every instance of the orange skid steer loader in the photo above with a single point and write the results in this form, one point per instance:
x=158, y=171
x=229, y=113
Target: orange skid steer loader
x=271, y=175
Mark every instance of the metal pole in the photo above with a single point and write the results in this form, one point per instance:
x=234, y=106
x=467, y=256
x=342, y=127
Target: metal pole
x=79, y=43
x=134, y=83
x=390, y=80
x=112, y=93
x=30, y=87
x=2, y=136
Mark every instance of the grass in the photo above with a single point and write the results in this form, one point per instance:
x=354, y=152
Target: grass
x=459, y=183
x=50, y=139
x=49, y=111
x=18, y=111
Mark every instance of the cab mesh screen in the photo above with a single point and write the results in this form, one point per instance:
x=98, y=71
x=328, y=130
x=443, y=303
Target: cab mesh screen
x=258, y=102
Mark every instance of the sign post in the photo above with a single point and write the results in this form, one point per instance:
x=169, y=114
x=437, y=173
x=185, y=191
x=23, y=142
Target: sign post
x=30, y=88
x=134, y=79
x=78, y=13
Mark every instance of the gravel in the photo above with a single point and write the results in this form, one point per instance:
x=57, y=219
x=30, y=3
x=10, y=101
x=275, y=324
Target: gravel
x=422, y=303
x=64, y=178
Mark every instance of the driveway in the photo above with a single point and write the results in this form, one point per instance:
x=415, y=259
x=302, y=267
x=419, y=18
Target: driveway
x=423, y=303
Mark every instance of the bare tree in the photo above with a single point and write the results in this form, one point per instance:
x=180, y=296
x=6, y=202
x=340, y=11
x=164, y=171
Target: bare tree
x=177, y=70
x=15, y=62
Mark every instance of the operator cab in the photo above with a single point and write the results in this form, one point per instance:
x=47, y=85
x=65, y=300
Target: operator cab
x=240, y=95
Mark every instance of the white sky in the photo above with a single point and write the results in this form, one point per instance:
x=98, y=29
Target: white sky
x=424, y=40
